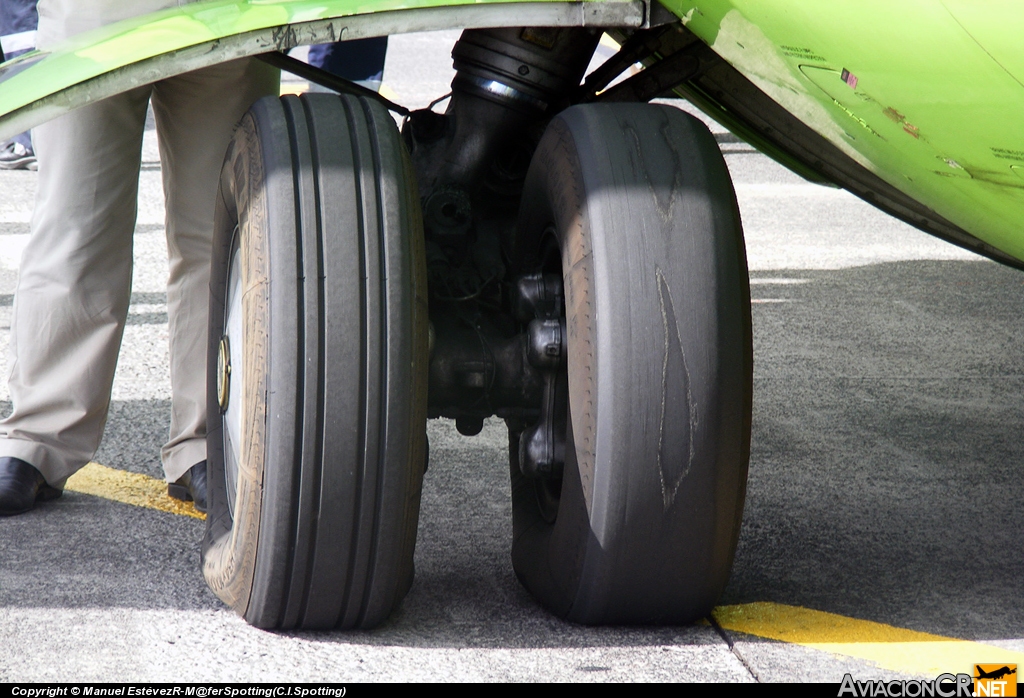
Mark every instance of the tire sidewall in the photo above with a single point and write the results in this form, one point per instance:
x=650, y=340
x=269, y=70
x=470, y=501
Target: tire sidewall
x=229, y=545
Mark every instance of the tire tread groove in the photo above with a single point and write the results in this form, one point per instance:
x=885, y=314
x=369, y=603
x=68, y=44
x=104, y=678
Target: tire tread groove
x=294, y=524
x=325, y=535
x=350, y=581
x=384, y=387
x=316, y=439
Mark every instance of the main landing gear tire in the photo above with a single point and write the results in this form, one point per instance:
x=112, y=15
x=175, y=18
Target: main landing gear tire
x=317, y=367
x=637, y=204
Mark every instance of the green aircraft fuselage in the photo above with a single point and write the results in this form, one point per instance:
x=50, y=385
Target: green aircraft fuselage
x=922, y=93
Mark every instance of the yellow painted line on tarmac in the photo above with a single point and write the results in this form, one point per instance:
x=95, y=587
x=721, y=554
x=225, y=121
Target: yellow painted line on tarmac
x=298, y=88
x=294, y=88
x=889, y=647
x=128, y=488
x=898, y=649
x=387, y=93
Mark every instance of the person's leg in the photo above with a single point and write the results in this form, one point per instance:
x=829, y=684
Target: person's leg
x=18, y=20
x=74, y=285
x=361, y=60
x=196, y=114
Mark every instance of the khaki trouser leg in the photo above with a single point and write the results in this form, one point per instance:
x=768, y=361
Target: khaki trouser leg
x=196, y=114
x=73, y=294
x=74, y=285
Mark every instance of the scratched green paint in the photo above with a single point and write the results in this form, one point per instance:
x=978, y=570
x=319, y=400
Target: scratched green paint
x=936, y=103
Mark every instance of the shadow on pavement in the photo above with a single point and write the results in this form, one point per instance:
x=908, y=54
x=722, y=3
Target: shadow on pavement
x=885, y=477
x=884, y=483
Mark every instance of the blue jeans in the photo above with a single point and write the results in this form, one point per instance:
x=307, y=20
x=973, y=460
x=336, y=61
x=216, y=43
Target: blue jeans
x=361, y=60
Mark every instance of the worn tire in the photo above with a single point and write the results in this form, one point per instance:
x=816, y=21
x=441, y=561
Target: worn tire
x=314, y=500
x=643, y=526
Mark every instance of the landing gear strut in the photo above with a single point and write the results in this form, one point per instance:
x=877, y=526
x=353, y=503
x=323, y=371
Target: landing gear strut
x=587, y=284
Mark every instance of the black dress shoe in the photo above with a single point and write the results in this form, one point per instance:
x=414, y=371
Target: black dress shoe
x=20, y=486
x=191, y=487
x=15, y=156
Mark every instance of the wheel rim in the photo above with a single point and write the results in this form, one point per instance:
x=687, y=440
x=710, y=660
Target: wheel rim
x=232, y=374
x=549, y=489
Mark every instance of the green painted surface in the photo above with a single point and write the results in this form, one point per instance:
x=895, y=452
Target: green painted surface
x=930, y=102
x=932, y=99
x=108, y=48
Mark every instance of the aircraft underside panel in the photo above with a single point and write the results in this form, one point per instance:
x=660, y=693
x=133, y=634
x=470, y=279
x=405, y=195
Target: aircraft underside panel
x=41, y=85
x=923, y=96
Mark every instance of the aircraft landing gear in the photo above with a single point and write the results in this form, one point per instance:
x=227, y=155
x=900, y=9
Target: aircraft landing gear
x=587, y=284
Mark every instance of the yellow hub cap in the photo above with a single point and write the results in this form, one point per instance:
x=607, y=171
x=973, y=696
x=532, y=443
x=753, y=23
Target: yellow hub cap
x=223, y=373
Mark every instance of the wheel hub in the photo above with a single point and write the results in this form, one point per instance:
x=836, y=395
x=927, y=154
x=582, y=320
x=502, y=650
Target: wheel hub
x=224, y=374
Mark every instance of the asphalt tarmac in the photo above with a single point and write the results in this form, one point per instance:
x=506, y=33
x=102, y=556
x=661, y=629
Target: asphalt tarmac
x=884, y=484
